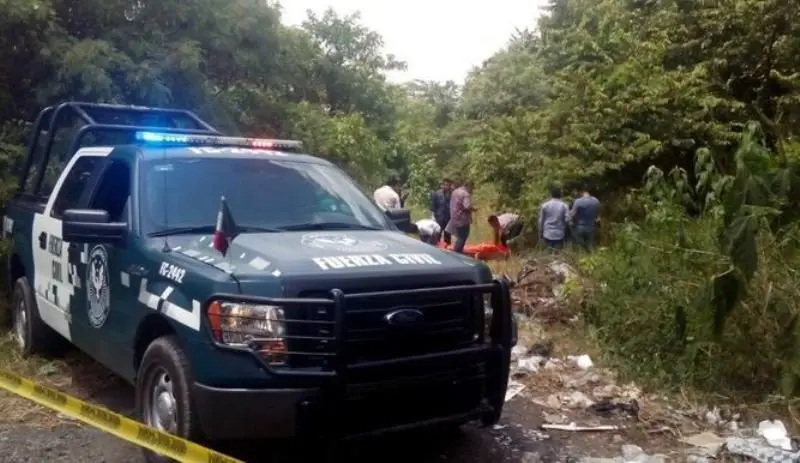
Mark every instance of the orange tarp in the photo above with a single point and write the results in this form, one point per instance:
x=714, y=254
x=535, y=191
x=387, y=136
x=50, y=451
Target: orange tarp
x=486, y=250
x=482, y=251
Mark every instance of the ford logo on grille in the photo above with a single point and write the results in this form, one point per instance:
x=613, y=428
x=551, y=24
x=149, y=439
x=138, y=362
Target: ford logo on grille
x=405, y=317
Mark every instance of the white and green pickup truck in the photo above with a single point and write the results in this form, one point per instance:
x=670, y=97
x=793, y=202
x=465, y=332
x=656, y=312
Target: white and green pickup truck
x=246, y=290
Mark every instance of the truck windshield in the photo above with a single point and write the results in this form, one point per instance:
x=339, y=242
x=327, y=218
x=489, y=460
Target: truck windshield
x=265, y=194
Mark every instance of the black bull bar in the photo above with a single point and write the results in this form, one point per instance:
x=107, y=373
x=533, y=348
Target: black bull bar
x=492, y=351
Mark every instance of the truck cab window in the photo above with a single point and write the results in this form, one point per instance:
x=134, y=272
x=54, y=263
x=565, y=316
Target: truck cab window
x=113, y=191
x=75, y=183
x=59, y=155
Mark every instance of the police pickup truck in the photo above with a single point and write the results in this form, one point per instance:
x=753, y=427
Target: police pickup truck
x=247, y=291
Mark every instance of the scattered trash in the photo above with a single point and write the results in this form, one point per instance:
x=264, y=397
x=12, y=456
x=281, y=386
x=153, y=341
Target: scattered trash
x=759, y=450
x=563, y=270
x=583, y=380
x=518, y=351
x=713, y=417
x=773, y=445
x=538, y=291
x=706, y=444
x=575, y=428
x=584, y=362
x=569, y=390
x=553, y=418
x=607, y=409
x=774, y=432
x=577, y=399
x=633, y=453
x=535, y=435
x=514, y=388
x=542, y=349
x=530, y=364
x=630, y=454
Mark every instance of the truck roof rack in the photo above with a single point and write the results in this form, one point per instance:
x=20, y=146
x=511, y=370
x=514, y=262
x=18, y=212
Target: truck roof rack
x=109, y=118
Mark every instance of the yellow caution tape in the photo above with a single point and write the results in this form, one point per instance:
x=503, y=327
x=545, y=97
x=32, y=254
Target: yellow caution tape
x=102, y=418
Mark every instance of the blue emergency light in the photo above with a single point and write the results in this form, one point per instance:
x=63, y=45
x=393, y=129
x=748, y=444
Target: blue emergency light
x=165, y=138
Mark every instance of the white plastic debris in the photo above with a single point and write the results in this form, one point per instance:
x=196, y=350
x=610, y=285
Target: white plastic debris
x=530, y=364
x=514, y=388
x=573, y=427
x=584, y=362
x=564, y=270
x=713, y=417
x=774, y=432
x=633, y=453
x=518, y=351
x=759, y=451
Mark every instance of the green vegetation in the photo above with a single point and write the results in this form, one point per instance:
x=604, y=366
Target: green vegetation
x=682, y=114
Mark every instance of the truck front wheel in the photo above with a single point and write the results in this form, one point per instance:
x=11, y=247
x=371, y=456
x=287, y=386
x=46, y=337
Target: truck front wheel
x=32, y=335
x=163, y=394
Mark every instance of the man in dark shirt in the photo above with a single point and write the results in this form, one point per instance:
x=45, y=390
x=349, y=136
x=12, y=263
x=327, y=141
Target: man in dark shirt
x=584, y=216
x=440, y=207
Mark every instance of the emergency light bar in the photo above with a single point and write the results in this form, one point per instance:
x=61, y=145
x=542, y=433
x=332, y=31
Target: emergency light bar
x=164, y=138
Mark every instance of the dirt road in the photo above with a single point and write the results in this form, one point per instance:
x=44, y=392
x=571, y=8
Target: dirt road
x=507, y=442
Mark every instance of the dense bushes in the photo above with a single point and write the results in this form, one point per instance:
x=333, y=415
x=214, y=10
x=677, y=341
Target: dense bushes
x=674, y=301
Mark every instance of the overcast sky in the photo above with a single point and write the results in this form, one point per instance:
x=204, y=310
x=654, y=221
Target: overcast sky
x=439, y=39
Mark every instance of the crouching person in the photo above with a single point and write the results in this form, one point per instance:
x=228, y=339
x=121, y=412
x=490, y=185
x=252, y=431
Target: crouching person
x=429, y=231
x=506, y=226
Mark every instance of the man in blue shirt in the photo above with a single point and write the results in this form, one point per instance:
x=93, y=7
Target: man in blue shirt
x=553, y=220
x=584, y=217
x=440, y=207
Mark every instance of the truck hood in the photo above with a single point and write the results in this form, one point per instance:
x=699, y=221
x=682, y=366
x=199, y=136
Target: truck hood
x=341, y=255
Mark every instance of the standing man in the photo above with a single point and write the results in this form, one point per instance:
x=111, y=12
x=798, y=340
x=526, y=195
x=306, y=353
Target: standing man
x=584, y=214
x=461, y=210
x=553, y=220
x=386, y=197
x=440, y=207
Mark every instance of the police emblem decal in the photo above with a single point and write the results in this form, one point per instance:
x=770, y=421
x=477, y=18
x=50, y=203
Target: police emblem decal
x=97, y=286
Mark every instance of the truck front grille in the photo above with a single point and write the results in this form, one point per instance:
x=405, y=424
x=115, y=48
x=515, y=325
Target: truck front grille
x=450, y=322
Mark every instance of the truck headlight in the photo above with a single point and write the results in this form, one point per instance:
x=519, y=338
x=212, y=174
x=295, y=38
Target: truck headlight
x=259, y=327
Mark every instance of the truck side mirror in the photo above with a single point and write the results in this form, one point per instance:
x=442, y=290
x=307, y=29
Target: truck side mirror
x=91, y=226
x=402, y=219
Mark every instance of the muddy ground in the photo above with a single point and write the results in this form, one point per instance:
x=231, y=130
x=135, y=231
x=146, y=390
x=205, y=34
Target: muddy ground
x=70, y=442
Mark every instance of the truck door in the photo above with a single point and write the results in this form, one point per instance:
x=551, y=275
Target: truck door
x=57, y=264
x=111, y=298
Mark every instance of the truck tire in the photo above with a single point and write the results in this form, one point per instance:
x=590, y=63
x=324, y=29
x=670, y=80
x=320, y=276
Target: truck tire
x=31, y=333
x=163, y=393
x=499, y=378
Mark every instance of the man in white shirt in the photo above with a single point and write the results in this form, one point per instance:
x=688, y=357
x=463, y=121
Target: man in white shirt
x=429, y=231
x=386, y=197
x=507, y=227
